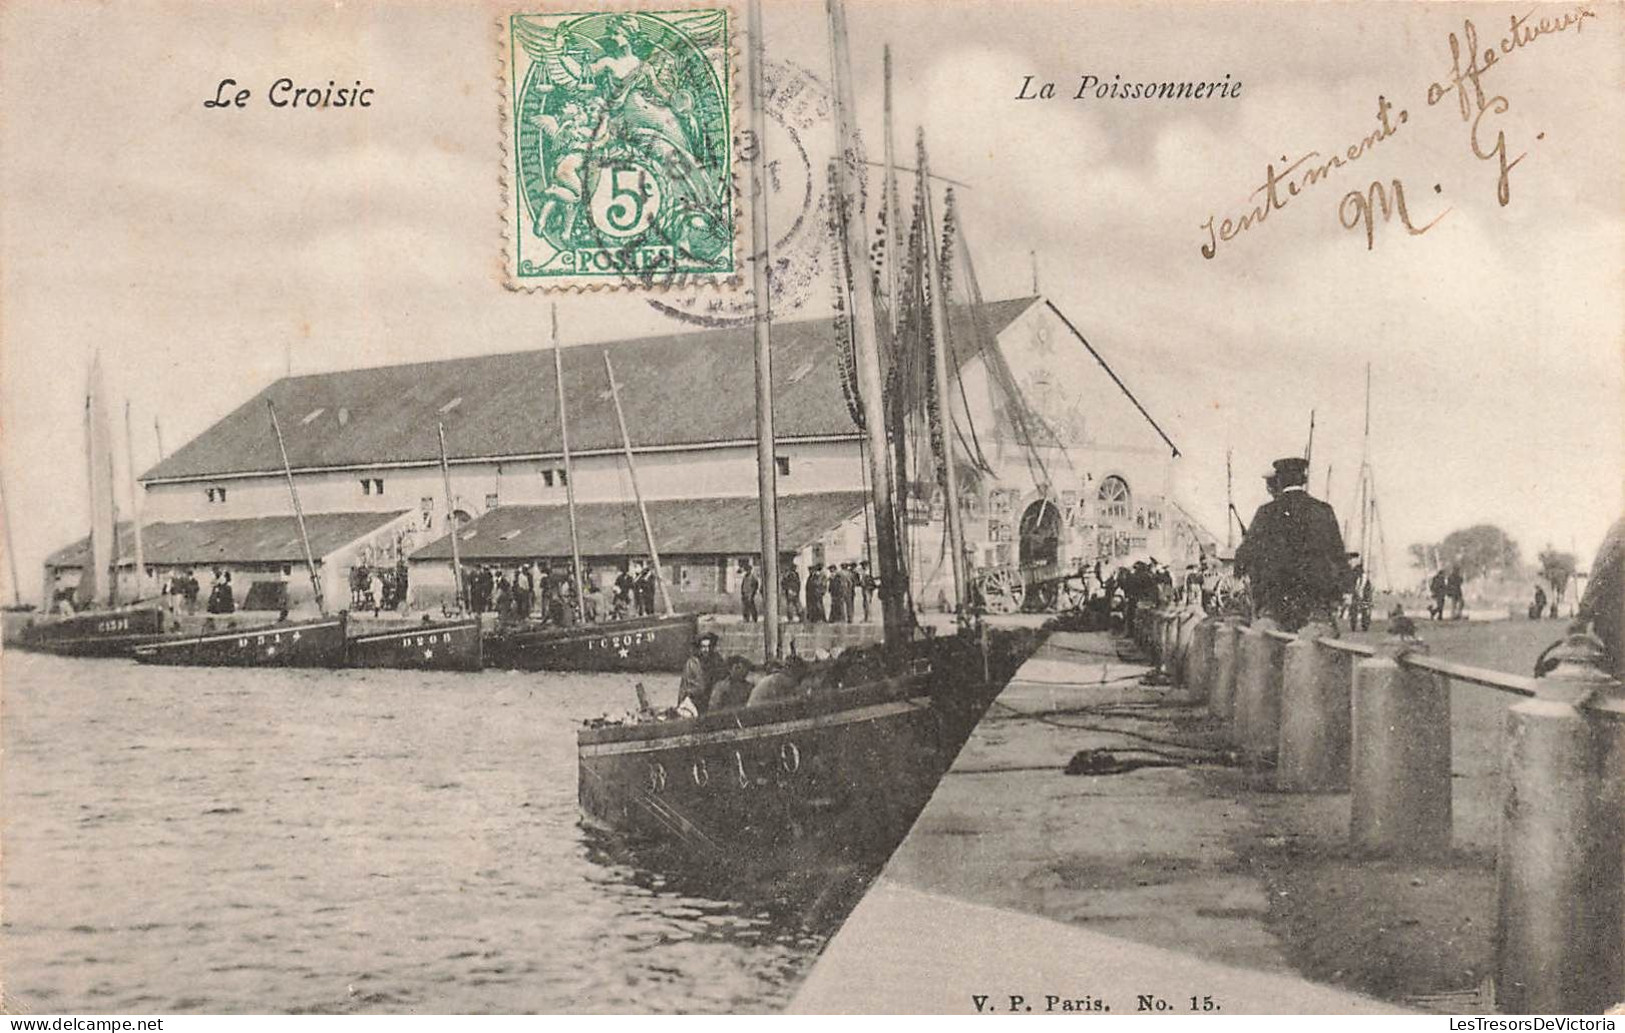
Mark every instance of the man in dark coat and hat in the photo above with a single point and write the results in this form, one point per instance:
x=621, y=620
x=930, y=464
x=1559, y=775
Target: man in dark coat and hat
x=1293, y=553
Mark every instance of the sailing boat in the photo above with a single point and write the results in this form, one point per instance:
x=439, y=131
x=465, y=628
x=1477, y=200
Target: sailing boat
x=107, y=629
x=454, y=645
x=658, y=642
x=830, y=779
x=313, y=643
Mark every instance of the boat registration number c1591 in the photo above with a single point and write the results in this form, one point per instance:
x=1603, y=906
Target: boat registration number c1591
x=115, y=624
x=631, y=638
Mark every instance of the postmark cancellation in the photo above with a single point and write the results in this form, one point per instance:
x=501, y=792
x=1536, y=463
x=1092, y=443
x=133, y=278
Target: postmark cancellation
x=620, y=146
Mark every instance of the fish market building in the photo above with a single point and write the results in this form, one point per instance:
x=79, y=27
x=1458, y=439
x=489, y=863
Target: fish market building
x=1064, y=466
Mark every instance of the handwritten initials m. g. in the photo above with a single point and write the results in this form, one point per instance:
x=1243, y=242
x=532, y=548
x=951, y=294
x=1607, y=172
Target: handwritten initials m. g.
x=1356, y=209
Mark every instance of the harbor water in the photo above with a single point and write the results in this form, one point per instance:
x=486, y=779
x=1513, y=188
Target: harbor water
x=211, y=840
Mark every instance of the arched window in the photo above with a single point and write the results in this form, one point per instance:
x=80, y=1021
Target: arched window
x=1115, y=500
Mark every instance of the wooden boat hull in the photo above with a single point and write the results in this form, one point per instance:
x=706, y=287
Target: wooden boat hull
x=318, y=643
x=440, y=646
x=639, y=644
x=97, y=634
x=794, y=787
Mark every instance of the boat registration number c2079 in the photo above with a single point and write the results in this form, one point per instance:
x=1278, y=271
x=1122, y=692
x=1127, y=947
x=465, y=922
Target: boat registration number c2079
x=631, y=638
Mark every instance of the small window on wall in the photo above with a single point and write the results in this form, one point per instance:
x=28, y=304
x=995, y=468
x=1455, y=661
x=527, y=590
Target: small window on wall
x=783, y=463
x=491, y=500
x=378, y=486
x=366, y=486
x=1115, y=500
x=215, y=495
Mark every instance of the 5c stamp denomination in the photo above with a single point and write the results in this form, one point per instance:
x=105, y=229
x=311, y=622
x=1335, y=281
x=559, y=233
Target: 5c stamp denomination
x=620, y=148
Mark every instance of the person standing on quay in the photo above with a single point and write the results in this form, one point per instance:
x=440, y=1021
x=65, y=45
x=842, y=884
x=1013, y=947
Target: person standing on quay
x=815, y=594
x=836, y=579
x=790, y=585
x=749, y=586
x=1436, y=589
x=867, y=582
x=1293, y=553
x=1452, y=586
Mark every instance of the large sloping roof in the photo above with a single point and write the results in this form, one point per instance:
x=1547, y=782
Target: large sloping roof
x=273, y=539
x=679, y=389
x=681, y=527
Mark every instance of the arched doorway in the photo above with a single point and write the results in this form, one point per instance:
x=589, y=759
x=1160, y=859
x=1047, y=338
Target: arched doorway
x=1040, y=551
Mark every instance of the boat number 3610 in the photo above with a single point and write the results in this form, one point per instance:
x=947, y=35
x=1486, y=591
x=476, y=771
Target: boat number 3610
x=739, y=771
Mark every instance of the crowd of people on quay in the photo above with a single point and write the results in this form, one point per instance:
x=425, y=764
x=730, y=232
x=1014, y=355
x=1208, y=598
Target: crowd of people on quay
x=182, y=591
x=833, y=593
x=538, y=591
x=379, y=588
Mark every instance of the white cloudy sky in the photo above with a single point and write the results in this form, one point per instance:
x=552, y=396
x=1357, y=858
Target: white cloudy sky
x=195, y=246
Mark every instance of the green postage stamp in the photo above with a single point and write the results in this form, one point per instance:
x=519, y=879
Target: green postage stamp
x=620, y=148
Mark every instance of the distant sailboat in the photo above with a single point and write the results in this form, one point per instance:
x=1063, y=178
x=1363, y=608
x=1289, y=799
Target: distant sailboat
x=313, y=643
x=656, y=642
x=98, y=627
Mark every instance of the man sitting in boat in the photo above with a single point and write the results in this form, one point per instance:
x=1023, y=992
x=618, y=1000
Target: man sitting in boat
x=735, y=689
x=703, y=669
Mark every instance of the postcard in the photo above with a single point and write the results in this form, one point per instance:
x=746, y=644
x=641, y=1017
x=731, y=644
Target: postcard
x=812, y=506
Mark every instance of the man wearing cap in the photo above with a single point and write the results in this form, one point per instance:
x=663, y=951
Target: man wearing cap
x=703, y=670
x=1293, y=553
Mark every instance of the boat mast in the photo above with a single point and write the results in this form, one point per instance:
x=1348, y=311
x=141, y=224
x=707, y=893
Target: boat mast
x=135, y=506
x=11, y=552
x=451, y=519
x=893, y=213
x=103, y=560
x=893, y=614
x=767, y=479
x=632, y=470
x=298, y=512
x=569, y=472
x=158, y=429
x=951, y=516
x=1365, y=475
x=1230, y=505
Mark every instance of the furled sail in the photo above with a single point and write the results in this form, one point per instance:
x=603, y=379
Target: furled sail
x=97, y=580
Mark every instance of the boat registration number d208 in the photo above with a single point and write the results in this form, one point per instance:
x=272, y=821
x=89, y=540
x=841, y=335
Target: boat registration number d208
x=631, y=638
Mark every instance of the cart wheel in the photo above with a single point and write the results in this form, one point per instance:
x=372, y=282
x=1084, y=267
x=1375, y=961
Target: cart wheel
x=1073, y=595
x=1042, y=597
x=1002, y=591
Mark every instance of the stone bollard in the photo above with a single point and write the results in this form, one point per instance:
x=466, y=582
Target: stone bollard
x=1561, y=867
x=1167, y=634
x=1316, y=684
x=1221, y=701
x=1184, y=632
x=1198, y=669
x=1258, y=693
x=1399, y=770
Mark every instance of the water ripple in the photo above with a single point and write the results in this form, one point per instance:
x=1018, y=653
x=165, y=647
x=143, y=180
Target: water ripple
x=340, y=842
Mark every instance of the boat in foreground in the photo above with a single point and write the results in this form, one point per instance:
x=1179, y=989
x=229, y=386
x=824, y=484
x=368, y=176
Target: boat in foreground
x=834, y=778
x=430, y=646
x=638, y=644
x=97, y=633
x=314, y=643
